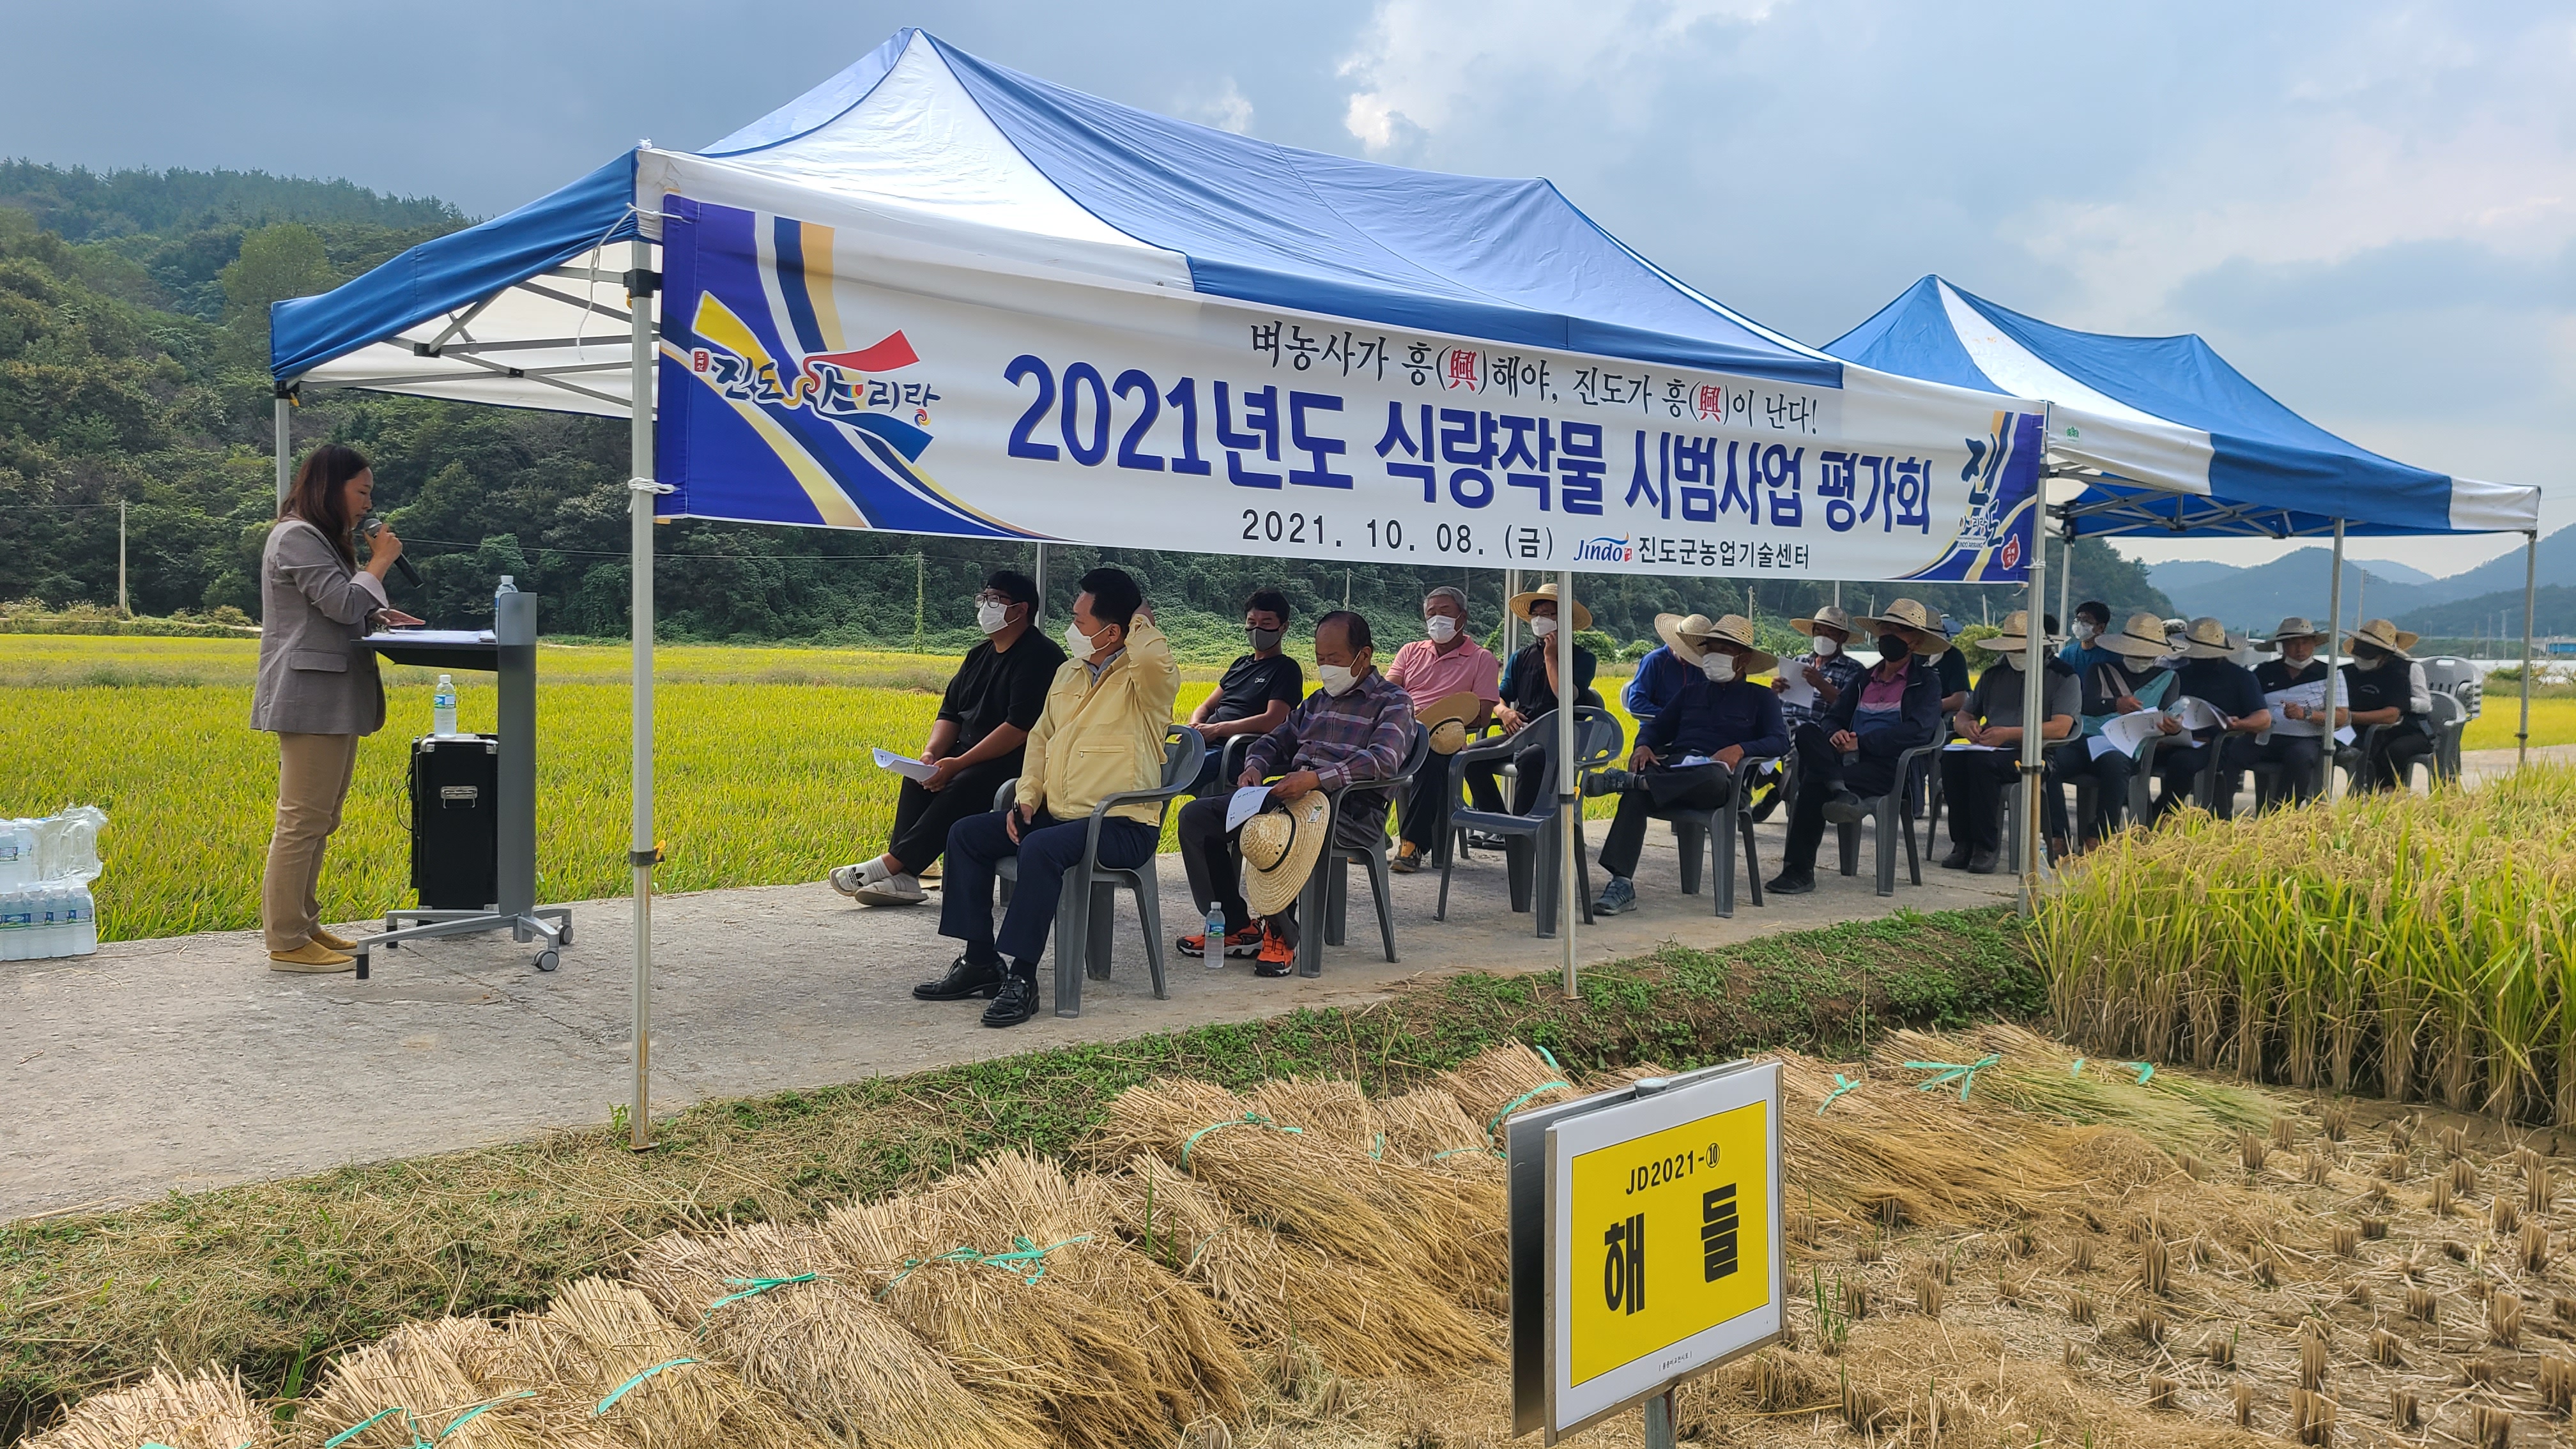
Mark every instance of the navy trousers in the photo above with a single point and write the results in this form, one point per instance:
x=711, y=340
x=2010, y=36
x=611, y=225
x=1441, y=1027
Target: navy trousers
x=1047, y=848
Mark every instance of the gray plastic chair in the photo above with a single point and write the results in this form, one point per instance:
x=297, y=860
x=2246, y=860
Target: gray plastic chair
x=1598, y=741
x=1716, y=832
x=1327, y=896
x=1890, y=814
x=1086, y=912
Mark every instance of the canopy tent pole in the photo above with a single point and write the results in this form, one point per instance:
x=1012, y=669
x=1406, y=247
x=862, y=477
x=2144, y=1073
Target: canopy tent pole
x=1511, y=621
x=641, y=491
x=1040, y=611
x=2065, y=573
x=2334, y=641
x=2530, y=587
x=1569, y=786
x=2034, y=664
x=285, y=444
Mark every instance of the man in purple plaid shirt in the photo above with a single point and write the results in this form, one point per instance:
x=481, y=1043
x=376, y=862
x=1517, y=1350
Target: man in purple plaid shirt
x=1356, y=726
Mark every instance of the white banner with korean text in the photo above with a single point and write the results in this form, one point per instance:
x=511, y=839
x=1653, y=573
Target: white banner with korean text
x=808, y=379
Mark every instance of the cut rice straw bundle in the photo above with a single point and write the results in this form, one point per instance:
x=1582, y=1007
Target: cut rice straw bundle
x=601, y=1357
x=983, y=1293
x=1494, y=1084
x=1430, y=1128
x=183, y=1411
x=1279, y=1293
x=414, y=1387
x=2042, y=1078
x=1260, y=1168
x=823, y=1346
x=1328, y=1108
x=1459, y=1222
x=1201, y=1372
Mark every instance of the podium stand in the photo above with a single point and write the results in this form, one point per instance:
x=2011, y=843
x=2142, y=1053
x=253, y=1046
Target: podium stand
x=510, y=651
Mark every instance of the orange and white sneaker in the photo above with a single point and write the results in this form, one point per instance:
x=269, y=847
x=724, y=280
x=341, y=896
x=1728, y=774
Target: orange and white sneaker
x=1277, y=957
x=1245, y=942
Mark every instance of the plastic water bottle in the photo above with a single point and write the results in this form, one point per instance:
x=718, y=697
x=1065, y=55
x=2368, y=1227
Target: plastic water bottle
x=53, y=924
x=1214, y=941
x=442, y=707
x=84, y=923
x=17, y=853
x=14, y=934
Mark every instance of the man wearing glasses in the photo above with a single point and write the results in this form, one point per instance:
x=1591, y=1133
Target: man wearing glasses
x=975, y=744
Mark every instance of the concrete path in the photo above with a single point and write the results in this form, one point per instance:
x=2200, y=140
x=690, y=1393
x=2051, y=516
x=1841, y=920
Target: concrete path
x=183, y=1063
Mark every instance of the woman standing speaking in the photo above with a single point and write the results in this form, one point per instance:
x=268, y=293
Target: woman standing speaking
x=318, y=690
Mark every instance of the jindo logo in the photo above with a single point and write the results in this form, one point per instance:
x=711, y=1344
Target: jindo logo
x=1604, y=549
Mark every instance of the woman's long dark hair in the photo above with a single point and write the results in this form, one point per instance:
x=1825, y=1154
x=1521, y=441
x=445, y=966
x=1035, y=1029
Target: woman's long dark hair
x=316, y=496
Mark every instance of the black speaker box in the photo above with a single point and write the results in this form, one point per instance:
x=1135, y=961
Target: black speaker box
x=456, y=821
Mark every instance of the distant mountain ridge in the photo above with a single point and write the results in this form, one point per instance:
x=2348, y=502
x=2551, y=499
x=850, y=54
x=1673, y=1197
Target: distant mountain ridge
x=2462, y=605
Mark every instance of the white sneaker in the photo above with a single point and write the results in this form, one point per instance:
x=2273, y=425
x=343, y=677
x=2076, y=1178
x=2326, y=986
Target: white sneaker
x=894, y=890
x=849, y=880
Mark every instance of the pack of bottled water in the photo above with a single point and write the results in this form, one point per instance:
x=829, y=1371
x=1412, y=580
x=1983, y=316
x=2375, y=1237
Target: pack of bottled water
x=45, y=869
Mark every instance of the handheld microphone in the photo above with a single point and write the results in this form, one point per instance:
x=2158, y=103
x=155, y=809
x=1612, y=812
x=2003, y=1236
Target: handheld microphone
x=410, y=575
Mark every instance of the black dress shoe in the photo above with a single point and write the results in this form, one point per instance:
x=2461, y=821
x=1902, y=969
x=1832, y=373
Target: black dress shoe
x=1983, y=863
x=1015, y=1003
x=1958, y=858
x=1845, y=808
x=964, y=979
x=1785, y=884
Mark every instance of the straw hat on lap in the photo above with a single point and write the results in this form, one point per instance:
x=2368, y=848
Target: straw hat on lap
x=1279, y=852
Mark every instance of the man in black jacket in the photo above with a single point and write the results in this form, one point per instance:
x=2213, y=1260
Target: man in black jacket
x=1851, y=752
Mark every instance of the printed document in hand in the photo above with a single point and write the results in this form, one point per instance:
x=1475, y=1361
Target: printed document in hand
x=1795, y=691
x=2127, y=733
x=2197, y=714
x=2310, y=696
x=1963, y=745
x=1245, y=803
x=905, y=765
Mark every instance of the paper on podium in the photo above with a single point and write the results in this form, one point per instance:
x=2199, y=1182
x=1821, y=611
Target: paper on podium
x=905, y=765
x=1245, y=803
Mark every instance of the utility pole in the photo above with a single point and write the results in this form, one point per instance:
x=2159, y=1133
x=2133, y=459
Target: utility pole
x=920, y=569
x=122, y=610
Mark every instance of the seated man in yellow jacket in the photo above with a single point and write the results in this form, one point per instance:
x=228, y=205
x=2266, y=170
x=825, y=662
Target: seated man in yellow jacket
x=1101, y=734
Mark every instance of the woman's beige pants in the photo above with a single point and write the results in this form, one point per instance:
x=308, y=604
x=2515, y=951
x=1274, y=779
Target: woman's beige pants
x=312, y=779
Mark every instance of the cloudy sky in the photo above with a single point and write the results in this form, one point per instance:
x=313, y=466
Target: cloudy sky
x=2369, y=207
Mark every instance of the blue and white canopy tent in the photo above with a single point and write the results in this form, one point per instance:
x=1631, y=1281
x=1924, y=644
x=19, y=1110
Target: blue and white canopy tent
x=2176, y=441
x=933, y=295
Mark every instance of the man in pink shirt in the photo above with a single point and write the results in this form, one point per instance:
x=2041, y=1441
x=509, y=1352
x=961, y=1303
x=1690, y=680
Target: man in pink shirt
x=1430, y=670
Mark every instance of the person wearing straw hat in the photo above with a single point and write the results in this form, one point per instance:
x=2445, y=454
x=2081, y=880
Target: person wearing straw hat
x=1986, y=760
x=1101, y=734
x=2210, y=674
x=1721, y=719
x=1827, y=669
x=2296, y=666
x=1852, y=750
x=1454, y=683
x=1529, y=689
x=1356, y=726
x=1661, y=675
x=2387, y=687
x=2132, y=682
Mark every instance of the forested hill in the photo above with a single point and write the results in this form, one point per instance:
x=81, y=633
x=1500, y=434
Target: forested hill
x=133, y=347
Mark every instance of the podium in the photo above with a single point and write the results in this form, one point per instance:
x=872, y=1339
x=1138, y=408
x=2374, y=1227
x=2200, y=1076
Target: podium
x=508, y=650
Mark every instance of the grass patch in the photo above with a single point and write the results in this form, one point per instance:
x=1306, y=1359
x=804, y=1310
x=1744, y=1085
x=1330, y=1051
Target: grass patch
x=279, y=1276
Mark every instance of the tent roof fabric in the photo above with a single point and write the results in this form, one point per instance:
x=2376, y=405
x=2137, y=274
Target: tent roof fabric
x=921, y=131
x=2168, y=437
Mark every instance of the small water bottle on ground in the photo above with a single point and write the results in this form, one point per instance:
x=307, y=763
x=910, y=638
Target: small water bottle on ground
x=442, y=707
x=1214, y=941
x=84, y=923
x=14, y=942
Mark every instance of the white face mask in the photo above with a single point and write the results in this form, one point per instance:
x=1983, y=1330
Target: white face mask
x=2087, y=631
x=1542, y=626
x=1826, y=648
x=1719, y=668
x=1336, y=679
x=991, y=614
x=1441, y=628
x=2011, y=658
x=2365, y=664
x=1077, y=643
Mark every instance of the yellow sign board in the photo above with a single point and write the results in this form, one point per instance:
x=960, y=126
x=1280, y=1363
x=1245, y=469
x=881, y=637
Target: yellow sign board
x=1660, y=1208
x=1672, y=1213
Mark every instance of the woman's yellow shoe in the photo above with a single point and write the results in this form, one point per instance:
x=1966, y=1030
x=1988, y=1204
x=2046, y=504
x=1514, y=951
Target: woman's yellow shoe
x=312, y=956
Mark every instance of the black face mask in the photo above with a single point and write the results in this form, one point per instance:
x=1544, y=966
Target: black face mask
x=1264, y=640
x=1893, y=649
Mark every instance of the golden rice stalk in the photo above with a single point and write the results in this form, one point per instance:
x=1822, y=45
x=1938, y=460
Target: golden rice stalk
x=1017, y=1335
x=1276, y=1291
x=1430, y=1128
x=824, y=1347
x=204, y=1410
x=602, y=1356
x=1509, y=1078
x=1260, y=1170
x=415, y=1386
x=1330, y=1108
